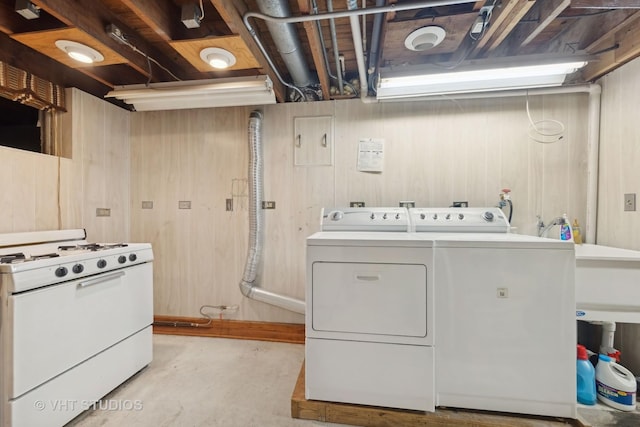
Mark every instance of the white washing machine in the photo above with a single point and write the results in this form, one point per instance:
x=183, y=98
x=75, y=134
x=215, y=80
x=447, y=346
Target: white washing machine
x=370, y=317
x=457, y=312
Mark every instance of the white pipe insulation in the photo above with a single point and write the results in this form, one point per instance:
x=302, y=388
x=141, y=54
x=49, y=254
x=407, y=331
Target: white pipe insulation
x=249, y=283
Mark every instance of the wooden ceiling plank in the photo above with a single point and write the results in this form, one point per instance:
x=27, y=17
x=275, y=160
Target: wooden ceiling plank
x=549, y=10
x=160, y=16
x=605, y=40
x=231, y=11
x=605, y=4
x=508, y=25
x=318, y=57
x=496, y=22
x=76, y=13
x=628, y=49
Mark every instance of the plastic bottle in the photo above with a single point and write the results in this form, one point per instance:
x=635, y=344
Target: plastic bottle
x=565, y=229
x=586, y=374
x=615, y=384
x=575, y=230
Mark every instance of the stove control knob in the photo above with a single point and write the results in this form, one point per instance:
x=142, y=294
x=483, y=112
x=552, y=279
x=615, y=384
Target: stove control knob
x=488, y=216
x=78, y=268
x=133, y=257
x=102, y=263
x=384, y=216
x=373, y=216
x=448, y=216
x=61, y=271
x=122, y=259
x=460, y=216
x=422, y=216
x=397, y=216
x=435, y=216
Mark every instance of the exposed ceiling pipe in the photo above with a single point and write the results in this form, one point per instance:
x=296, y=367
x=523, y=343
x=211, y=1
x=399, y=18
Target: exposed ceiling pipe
x=334, y=15
x=357, y=44
x=376, y=38
x=287, y=42
x=336, y=52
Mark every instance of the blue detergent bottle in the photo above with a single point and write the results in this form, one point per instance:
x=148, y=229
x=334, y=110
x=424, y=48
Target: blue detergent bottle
x=586, y=375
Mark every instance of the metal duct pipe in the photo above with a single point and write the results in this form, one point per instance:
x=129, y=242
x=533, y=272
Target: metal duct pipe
x=357, y=44
x=336, y=52
x=375, y=43
x=249, y=284
x=287, y=42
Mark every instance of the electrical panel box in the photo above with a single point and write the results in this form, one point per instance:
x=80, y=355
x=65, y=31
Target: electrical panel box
x=313, y=141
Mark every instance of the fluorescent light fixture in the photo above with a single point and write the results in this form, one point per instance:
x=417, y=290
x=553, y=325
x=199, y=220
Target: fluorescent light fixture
x=412, y=84
x=217, y=58
x=79, y=52
x=227, y=92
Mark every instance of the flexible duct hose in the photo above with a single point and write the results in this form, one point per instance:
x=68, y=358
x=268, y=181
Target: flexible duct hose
x=249, y=283
x=256, y=216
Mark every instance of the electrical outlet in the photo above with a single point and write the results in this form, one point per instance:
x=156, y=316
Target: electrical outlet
x=229, y=203
x=630, y=202
x=407, y=204
x=103, y=212
x=147, y=204
x=268, y=204
x=460, y=205
x=356, y=204
x=184, y=204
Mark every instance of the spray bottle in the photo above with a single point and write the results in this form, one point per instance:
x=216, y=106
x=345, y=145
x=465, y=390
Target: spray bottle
x=565, y=229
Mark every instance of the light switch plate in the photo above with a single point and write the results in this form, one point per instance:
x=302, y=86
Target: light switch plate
x=147, y=204
x=630, y=202
x=184, y=204
x=103, y=212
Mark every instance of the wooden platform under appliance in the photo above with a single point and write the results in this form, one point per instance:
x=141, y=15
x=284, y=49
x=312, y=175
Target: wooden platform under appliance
x=370, y=416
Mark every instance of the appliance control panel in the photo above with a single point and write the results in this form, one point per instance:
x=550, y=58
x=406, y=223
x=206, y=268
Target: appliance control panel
x=365, y=219
x=459, y=220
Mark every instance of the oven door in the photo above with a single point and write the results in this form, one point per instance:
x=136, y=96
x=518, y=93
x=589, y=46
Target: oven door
x=59, y=326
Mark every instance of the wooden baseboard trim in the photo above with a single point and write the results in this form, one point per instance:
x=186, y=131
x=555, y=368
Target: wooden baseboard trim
x=371, y=416
x=238, y=329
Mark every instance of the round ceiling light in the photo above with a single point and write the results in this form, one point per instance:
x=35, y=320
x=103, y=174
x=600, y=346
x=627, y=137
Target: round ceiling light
x=217, y=58
x=425, y=38
x=79, y=52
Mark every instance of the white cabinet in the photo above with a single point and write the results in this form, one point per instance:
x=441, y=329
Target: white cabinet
x=313, y=141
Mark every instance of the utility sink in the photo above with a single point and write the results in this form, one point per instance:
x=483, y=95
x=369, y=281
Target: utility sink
x=607, y=284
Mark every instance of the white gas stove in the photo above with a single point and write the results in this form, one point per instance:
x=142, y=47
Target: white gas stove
x=76, y=322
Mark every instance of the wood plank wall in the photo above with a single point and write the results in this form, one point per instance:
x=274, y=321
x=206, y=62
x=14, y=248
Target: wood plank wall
x=97, y=176
x=435, y=153
x=619, y=174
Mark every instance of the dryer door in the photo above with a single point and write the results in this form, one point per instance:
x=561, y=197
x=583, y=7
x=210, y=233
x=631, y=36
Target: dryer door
x=370, y=298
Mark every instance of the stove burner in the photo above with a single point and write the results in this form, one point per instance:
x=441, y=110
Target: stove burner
x=43, y=256
x=11, y=258
x=92, y=247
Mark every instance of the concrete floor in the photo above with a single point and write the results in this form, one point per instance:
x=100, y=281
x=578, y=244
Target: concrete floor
x=195, y=381
x=210, y=382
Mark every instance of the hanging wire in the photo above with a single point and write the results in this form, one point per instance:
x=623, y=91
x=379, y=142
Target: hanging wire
x=545, y=131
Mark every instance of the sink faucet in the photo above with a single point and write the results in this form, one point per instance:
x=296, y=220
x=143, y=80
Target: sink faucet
x=542, y=229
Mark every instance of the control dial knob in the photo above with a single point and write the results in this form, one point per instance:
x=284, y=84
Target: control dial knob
x=488, y=216
x=102, y=263
x=122, y=259
x=336, y=215
x=78, y=268
x=133, y=257
x=61, y=271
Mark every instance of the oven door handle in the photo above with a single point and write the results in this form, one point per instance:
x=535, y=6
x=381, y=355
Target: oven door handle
x=101, y=279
